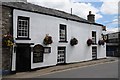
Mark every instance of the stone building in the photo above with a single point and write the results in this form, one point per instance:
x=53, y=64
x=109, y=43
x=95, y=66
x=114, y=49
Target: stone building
x=112, y=45
x=6, y=29
x=0, y=38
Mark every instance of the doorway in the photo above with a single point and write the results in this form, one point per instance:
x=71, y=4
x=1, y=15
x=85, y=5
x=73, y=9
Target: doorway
x=23, y=57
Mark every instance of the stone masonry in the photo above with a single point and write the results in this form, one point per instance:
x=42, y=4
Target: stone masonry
x=6, y=28
x=0, y=36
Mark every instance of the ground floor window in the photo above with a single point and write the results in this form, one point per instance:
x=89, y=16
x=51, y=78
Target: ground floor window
x=61, y=55
x=94, y=52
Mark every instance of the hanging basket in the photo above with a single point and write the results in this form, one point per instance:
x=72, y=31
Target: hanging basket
x=89, y=42
x=73, y=42
x=7, y=41
x=101, y=42
x=47, y=40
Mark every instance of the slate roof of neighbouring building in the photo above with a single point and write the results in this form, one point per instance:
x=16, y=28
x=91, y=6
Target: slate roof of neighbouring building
x=47, y=11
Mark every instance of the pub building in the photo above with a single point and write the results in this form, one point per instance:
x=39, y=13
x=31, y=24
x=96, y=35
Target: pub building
x=36, y=37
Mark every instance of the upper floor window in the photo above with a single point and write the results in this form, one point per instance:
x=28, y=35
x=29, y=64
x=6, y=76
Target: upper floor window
x=94, y=37
x=63, y=34
x=23, y=27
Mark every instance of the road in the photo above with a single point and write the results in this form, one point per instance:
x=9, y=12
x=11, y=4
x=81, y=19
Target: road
x=105, y=70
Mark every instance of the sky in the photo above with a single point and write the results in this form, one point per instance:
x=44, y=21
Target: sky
x=106, y=11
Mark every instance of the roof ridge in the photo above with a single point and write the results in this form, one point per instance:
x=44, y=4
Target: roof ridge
x=45, y=10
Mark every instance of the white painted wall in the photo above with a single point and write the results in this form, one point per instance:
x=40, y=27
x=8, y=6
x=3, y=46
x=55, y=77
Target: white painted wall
x=40, y=25
x=13, y=60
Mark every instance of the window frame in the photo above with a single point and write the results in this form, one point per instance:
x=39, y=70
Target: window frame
x=65, y=29
x=28, y=31
x=49, y=49
x=94, y=42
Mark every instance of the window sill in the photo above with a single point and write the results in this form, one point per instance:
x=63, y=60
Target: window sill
x=94, y=44
x=23, y=39
x=63, y=41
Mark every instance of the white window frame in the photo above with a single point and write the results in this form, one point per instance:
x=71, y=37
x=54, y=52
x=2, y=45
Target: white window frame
x=23, y=27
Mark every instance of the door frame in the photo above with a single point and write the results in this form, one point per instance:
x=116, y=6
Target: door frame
x=64, y=54
x=24, y=44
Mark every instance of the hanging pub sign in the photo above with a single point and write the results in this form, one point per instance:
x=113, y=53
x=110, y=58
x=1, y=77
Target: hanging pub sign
x=38, y=53
x=105, y=37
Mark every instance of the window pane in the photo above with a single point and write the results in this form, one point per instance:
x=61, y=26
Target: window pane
x=19, y=33
x=25, y=34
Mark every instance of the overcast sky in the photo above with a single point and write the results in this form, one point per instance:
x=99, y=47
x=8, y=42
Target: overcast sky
x=106, y=11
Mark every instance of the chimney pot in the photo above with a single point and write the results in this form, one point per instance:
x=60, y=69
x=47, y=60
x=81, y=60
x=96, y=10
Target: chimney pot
x=91, y=17
x=89, y=12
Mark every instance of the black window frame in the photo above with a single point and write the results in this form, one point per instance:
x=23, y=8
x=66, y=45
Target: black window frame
x=94, y=33
x=28, y=29
x=65, y=28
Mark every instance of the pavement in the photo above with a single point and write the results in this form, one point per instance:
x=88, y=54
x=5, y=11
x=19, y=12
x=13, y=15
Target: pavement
x=0, y=60
x=57, y=68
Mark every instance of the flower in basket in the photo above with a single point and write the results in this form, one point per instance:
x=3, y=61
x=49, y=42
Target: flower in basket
x=89, y=42
x=7, y=40
x=73, y=42
x=101, y=42
x=47, y=40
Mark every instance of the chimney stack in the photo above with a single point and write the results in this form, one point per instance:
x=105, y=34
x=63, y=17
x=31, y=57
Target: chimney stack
x=91, y=17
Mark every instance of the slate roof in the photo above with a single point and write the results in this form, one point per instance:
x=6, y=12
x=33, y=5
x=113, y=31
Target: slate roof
x=47, y=11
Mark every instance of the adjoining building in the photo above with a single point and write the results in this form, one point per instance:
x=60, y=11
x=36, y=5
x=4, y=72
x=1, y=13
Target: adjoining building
x=35, y=37
x=112, y=45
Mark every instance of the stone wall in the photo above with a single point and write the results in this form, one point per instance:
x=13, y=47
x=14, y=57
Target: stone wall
x=6, y=28
x=0, y=36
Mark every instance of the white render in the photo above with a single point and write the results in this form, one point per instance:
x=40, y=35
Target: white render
x=41, y=24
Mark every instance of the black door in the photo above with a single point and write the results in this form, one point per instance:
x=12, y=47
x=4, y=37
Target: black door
x=23, y=58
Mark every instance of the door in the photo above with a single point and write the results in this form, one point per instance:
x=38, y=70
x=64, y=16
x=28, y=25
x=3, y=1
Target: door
x=94, y=53
x=23, y=58
x=61, y=55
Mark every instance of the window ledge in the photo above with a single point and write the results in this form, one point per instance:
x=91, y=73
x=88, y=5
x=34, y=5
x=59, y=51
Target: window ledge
x=63, y=41
x=94, y=44
x=23, y=39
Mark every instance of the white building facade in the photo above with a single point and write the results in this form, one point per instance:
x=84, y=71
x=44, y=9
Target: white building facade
x=30, y=29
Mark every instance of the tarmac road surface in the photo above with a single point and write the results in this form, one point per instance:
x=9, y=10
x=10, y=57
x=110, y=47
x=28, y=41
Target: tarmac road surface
x=105, y=70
